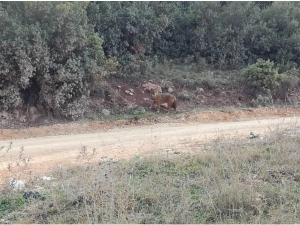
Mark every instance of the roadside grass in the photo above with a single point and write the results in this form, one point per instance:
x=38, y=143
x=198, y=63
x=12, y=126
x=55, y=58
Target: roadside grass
x=9, y=204
x=138, y=113
x=135, y=114
x=220, y=181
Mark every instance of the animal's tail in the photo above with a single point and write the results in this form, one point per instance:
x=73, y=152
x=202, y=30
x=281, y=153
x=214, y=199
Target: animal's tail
x=174, y=104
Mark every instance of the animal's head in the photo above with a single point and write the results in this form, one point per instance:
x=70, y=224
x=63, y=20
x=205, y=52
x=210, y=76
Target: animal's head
x=153, y=92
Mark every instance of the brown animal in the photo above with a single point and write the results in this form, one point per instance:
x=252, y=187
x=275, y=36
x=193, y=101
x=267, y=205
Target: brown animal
x=163, y=98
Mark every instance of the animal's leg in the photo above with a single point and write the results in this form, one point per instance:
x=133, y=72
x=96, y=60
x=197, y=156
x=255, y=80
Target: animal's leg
x=158, y=107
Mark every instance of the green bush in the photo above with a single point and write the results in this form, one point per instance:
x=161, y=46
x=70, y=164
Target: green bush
x=209, y=83
x=261, y=76
x=262, y=100
x=288, y=82
x=185, y=95
x=166, y=84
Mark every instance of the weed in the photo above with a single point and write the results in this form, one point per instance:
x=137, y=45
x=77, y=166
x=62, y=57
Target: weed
x=208, y=83
x=8, y=204
x=227, y=181
x=185, y=95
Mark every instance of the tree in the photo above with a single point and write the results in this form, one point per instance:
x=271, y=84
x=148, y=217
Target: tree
x=49, y=56
x=15, y=65
x=129, y=30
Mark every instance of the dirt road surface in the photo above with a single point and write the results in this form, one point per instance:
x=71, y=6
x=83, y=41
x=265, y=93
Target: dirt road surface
x=41, y=154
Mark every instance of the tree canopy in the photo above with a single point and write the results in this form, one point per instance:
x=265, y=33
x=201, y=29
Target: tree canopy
x=51, y=51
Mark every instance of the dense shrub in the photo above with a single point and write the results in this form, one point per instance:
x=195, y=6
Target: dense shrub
x=53, y=53
x=49, y=52
x=261, y=76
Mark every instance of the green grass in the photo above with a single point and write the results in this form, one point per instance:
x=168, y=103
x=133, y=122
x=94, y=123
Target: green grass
x=188, y=75
x=222, y=181
x=9, y=204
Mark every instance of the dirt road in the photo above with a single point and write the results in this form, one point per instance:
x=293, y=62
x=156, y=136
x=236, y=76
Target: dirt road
x=43, y=153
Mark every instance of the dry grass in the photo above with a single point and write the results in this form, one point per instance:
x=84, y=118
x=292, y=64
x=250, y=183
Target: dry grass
x=224, y=181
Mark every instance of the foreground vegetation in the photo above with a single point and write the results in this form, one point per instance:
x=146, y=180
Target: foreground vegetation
x=222, y=181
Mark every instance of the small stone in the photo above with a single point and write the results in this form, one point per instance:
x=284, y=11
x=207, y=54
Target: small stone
x=31, y=194
x=22, y=119
x=16, y=184
x=106, y=112
x=33, y=110
x=47, y=178
x=223, y=93
x=170, y=90
x=5, y=115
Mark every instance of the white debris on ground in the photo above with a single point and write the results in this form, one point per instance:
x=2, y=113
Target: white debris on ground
x=253, y=135
x=47, y=178
x=105, y=159
x=16, y=184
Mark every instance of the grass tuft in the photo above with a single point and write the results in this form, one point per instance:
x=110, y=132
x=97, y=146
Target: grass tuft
x=224, y=181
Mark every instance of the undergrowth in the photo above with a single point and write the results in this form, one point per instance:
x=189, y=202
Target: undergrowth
x=223, y=181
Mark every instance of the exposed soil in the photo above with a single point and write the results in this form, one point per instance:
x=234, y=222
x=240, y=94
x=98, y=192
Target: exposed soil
x=115, y=96
x=49, y=143
x=48, y=147
x=99, y=126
